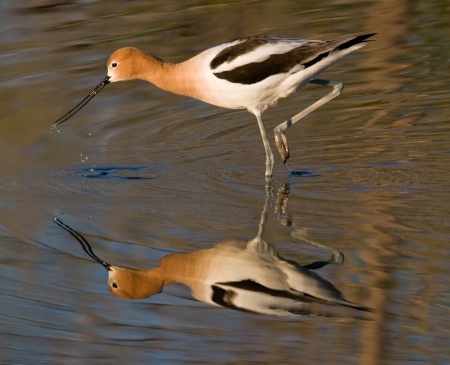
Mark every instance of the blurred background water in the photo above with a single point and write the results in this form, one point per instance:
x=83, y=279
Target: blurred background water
x=143, y=173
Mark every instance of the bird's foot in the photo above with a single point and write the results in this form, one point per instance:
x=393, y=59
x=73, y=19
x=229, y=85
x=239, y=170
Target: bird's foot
x=282, y=144
x=282, y=199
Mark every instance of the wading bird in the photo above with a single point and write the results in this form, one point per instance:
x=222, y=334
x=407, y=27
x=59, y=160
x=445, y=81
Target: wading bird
x=249, y=73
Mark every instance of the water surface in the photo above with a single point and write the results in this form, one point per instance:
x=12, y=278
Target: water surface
x=143, y=173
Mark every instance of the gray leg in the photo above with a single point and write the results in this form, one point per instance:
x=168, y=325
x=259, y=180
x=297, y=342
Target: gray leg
x=280, y=137
x=269, y=154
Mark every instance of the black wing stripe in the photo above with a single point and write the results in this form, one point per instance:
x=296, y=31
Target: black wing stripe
x=254, y=72
x=355, y=40
x=245, y=45
x=253, y=286
x=306, y=55
x=225, y=297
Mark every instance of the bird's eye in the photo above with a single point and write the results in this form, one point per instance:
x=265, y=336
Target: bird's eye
x=114, y=64
x=114, y=285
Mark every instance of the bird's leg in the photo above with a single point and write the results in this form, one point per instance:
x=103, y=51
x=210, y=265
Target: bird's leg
x=337, y=256
x=258, y=244
x=269, y=154
x=280, y=137
x=264, y=213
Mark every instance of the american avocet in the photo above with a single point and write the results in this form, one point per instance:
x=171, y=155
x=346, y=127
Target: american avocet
x=250, y=73
x=242, y=275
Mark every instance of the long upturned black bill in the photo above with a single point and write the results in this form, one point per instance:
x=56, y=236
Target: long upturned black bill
x=83, y=102
x=83, y=242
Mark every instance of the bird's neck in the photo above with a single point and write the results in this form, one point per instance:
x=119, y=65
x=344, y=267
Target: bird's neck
x=182, y=268
x=143, y=283
x=177, y=78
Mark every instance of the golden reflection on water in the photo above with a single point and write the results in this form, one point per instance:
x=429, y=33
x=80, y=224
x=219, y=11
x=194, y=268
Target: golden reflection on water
x=243, y=275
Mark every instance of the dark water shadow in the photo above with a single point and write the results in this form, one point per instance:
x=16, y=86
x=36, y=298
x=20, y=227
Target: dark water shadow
x=117, y=172
x=297, y=173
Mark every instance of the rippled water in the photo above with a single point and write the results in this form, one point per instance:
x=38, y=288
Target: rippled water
x=142, y=173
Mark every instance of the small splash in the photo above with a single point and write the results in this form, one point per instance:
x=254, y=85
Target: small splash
x=54, y=128
x=83, y=158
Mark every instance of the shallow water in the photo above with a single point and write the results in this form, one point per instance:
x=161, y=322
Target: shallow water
x=142, y=173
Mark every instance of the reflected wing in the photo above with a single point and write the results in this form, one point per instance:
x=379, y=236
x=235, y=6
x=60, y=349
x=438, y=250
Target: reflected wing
x=250, y=296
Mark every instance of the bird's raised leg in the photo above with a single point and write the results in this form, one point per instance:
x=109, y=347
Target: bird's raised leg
x=280, y=137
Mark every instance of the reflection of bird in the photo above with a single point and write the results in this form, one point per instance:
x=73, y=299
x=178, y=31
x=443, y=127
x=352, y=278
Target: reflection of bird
x=250, y=73
x=242, y=275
